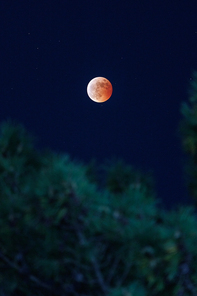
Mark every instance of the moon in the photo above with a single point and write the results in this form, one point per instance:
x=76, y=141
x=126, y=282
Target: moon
x=99, y=89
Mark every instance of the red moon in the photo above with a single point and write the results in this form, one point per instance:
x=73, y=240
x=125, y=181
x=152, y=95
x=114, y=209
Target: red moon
x=99, y=89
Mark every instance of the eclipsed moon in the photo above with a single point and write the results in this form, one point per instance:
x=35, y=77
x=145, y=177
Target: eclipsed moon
x=99, y=89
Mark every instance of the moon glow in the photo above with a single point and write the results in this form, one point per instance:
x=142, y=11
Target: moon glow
x=99, y=89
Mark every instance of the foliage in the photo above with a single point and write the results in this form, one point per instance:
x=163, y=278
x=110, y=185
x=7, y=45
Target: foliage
x=120, y=176
x=188, y=132
x=62, y=234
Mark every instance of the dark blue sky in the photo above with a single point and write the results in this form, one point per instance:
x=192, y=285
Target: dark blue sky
x=50, y=50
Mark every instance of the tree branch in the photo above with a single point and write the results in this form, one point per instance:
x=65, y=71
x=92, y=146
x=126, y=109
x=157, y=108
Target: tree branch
x=99, y=275
x=22, y=271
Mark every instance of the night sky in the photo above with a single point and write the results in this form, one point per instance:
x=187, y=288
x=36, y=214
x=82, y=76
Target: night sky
x=50, y=50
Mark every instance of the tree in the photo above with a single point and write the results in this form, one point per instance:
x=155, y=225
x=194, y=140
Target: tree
x=188, y=132
x=62, y=234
